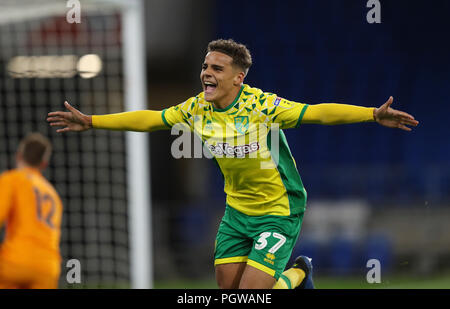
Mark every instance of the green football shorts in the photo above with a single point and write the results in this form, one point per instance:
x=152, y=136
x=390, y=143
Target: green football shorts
x=264, y=242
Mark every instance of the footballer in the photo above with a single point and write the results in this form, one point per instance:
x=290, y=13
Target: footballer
x=265, y=196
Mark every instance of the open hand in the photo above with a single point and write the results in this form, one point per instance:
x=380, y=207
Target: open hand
x=392, y=118
x=73, y=120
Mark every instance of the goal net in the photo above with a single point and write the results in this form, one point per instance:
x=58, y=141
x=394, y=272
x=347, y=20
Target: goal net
x=44, y=60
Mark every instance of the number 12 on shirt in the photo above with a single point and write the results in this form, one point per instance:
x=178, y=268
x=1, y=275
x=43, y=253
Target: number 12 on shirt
x=41, y=199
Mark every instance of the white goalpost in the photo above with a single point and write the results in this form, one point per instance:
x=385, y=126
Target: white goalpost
x=103, y=177
x=137, y=147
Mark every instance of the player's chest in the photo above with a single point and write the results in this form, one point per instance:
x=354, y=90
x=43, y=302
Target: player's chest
x=226, y=126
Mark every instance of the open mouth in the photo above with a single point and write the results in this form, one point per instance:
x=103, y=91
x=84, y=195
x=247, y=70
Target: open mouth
x=209, y=87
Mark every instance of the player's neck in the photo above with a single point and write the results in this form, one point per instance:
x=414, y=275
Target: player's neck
x=23, y=165
x=229, y=99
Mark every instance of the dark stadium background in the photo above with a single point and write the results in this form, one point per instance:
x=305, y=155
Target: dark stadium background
x=313, y=52
x=373, y=192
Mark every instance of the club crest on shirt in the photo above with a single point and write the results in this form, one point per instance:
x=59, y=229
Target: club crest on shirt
x=241, y=124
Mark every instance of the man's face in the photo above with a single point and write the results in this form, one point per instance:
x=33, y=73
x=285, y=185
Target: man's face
x=219, y=76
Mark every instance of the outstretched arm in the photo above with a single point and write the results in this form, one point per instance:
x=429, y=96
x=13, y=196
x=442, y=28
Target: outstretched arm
x=331, y=114
x=74, y=120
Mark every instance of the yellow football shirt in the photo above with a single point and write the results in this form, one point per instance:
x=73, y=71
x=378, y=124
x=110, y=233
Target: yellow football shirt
x=248, y=144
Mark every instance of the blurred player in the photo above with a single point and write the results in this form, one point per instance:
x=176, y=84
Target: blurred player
x=32, y=211
x=265, y=203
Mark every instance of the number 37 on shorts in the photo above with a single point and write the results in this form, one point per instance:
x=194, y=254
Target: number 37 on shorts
x=271, y=252
x=262, y=241
x=269, y=243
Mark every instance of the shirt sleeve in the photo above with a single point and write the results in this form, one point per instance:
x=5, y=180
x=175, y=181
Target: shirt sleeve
x=140, y=121
x=6, y=192
x=182, y=113
x=288, y=114
x=333, y=113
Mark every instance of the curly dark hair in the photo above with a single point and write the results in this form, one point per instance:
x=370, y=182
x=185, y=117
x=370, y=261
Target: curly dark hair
x=239, y=52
